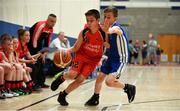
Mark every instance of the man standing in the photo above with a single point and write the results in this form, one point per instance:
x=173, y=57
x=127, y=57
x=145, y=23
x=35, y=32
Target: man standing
x=40, y=37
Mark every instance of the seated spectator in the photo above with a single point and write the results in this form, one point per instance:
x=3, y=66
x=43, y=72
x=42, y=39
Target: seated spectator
x=60, y=43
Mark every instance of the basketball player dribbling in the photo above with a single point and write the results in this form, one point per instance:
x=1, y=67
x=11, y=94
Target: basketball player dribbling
x=88, y=52
x=117, y=59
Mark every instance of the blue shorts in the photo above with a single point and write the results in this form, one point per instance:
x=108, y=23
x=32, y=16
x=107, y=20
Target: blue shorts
x=113, y=67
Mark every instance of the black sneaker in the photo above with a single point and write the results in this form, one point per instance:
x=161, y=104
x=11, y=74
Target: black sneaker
x=57, y=81
x=36, y=88
x=131, y=92
x=62, y=99
x=93, y=101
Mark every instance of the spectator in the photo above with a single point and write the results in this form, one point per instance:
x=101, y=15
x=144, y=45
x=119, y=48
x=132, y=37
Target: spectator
x=144, y=53
x=61, y=43
x=40, y=37
x=136, y=53
x=152, y=49
x=158, y=52
x=131, y=51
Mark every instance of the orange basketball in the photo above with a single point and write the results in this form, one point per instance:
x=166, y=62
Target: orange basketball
x=62, y=58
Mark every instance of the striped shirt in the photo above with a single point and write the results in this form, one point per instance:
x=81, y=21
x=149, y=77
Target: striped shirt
x=118, y=45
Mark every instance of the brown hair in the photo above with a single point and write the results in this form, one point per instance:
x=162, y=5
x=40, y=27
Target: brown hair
x=21, y=33
x=93, y=12
x=113, y=10
x=5, y=37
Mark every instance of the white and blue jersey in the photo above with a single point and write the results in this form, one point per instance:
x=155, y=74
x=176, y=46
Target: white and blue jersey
x=117, y=53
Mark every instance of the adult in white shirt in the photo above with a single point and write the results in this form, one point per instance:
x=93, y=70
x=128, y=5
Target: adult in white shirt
x=61, y=43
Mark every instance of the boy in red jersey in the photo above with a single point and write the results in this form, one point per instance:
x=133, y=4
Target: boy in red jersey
x=88, y=52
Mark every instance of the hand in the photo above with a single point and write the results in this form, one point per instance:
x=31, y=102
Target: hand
x=33, y=61
x=28, y=69
x=105, y=25
x=106, y=44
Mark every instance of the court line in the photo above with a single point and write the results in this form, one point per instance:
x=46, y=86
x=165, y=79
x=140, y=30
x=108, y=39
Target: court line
x=47, y=98
x=142, y=102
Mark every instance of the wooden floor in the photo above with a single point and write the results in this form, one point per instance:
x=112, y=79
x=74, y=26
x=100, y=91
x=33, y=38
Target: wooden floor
x=158, y=89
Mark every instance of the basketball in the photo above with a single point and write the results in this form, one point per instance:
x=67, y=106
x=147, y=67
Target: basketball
x=62, y=58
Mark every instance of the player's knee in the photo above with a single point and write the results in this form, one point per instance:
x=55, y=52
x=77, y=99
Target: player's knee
x=80, y=79
x=1, y=70
x=109, y=82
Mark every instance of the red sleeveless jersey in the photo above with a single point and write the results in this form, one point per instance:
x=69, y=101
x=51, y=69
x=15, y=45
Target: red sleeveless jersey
x=91, y=49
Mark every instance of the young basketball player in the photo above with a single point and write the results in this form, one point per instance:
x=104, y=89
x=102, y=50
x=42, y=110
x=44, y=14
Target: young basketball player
x=88, y=52
x=117, y=59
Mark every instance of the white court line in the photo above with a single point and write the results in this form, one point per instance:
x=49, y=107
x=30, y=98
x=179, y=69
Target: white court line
x=134, y=83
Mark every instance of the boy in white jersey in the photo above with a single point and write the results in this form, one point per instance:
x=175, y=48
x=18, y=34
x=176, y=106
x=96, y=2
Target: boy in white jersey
x=117, y=59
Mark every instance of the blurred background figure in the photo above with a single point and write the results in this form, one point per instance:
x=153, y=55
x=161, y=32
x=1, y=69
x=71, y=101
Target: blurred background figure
x=132, y=50
x=152, y=49
x=144, y=53
x=158, y=52
x=137, y=47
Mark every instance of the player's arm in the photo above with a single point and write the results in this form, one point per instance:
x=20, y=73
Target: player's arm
x=77, y=44
x=115, y=29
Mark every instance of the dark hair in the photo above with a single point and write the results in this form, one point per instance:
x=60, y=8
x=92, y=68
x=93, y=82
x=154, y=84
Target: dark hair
x=21, y=33
x=130, y=41
x=5, y=37
x=52, y=15
x=113, y=10
x=144, y=42
x=93, y=12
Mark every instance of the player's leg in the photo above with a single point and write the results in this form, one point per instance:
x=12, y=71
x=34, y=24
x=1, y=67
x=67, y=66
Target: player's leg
x=71, y=74
x=86, y=70
x=94, y=100
x=112, y=80
x=2, y=96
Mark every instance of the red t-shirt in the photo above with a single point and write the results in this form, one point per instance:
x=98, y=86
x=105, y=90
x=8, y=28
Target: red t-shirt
x=1, y=58
x=22, y=50
x=91, y=49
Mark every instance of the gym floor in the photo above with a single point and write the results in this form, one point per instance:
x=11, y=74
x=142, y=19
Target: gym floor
x=158, y=89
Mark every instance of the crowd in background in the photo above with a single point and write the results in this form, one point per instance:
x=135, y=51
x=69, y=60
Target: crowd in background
x=147, y=51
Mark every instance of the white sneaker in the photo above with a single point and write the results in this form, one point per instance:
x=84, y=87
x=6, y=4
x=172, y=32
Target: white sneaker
x=6, y=94
x=13, y=93
x=2, y=96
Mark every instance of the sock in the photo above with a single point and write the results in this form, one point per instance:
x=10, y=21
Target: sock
x=14, y=85
x=64, y=93
x=8, y=84
x=1, y=87
x=29, y=84
x=96, y=95
x=21, y=83
x=126, y=85
x=62, y=78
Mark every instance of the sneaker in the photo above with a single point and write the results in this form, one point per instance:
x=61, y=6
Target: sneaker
x=13, y=93
x=18, y=92
x=6, y=94
x=131, y=92
x=93, y=101
x=62, y=99
x=55, y=84
x=36, y=88
x=44, y=86
x=2, y=96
